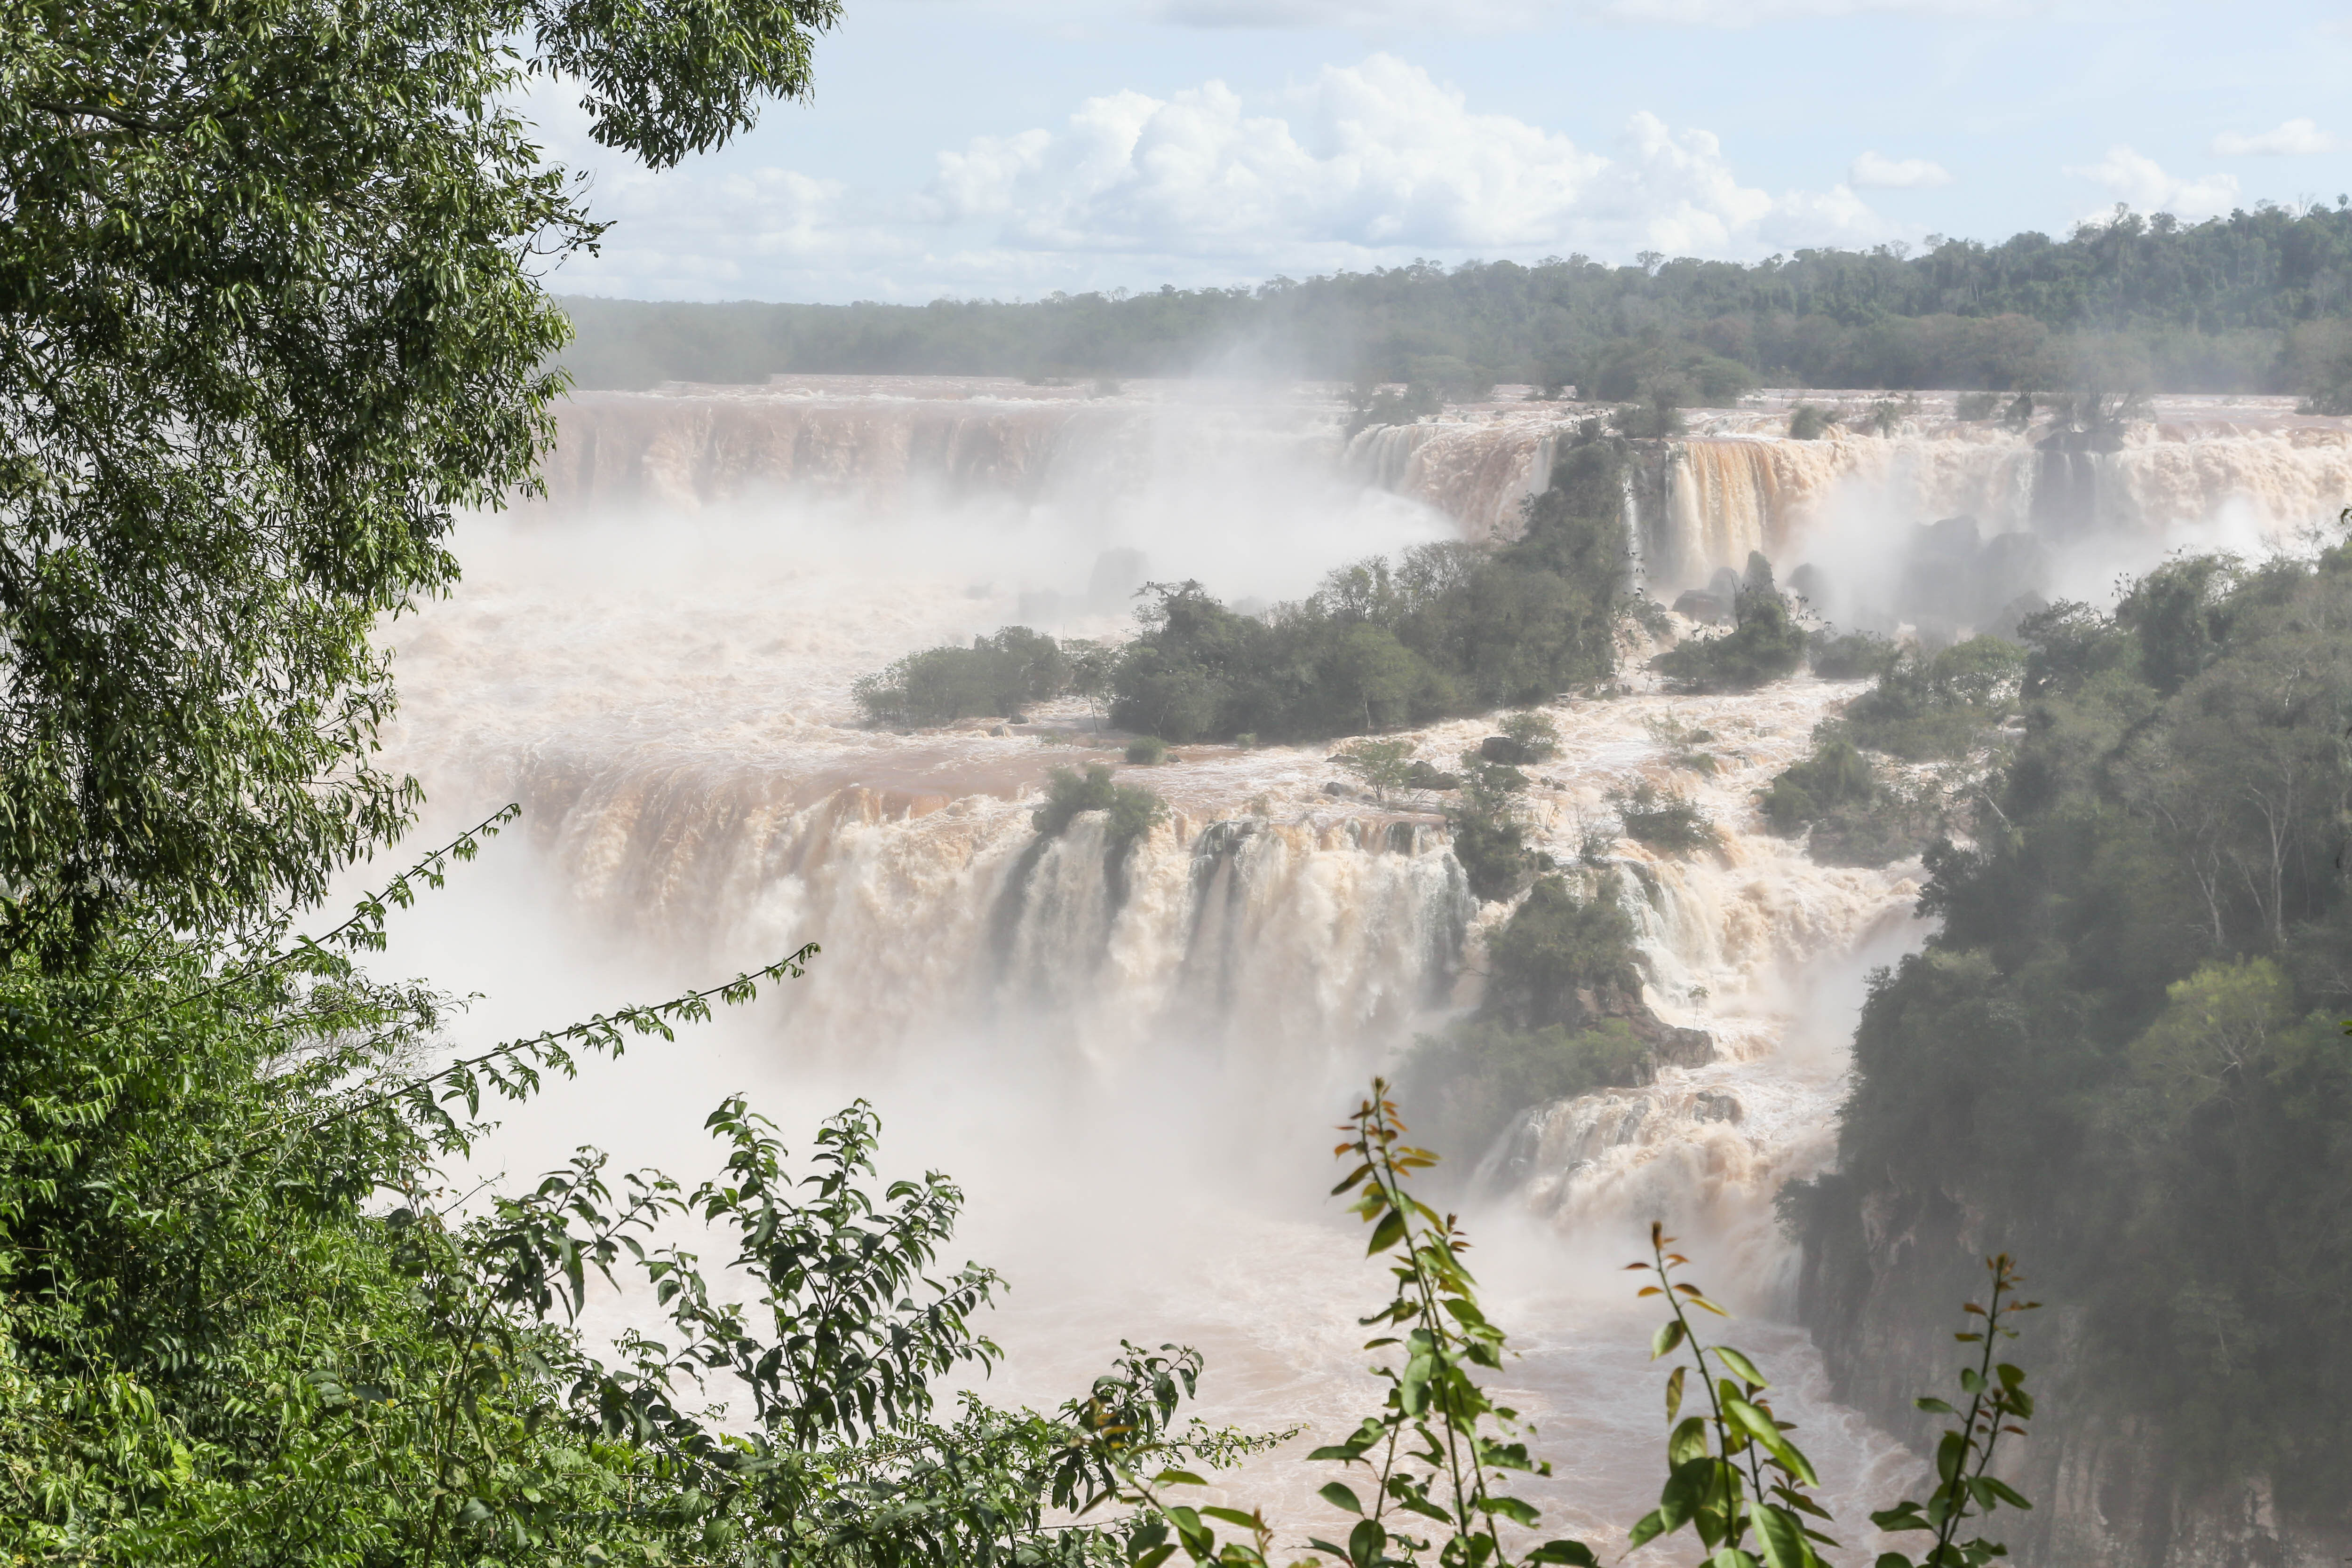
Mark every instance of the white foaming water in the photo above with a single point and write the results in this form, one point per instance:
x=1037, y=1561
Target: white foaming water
x=1249, y=476
x=1131, y=1074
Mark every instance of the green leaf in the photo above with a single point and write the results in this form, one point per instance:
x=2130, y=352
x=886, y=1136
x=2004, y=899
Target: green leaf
x=1782, y=1537
x=1901, y=1517
x=1669, y=1335
x=1342, y=1497
x=2006, y=1492
x=1687, y=1491
x=1742, y=1365
x=1512, y=1508
x=1675, y=1394
x=1174, y=1478
x=1232, y=1516
x=1412, y=1389
x=1934, y=1405
x=1648, y=1528
x=1573, y=1553
x=1761, y=1427
x=1386, y=1233
x=1688, y=1442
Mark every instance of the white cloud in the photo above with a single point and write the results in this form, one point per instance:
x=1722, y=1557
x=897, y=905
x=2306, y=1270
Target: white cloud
x=1380, y=157
x=1371, y=164
x=1874, y=172
x=1376, y=157
x=2141, y=183
x=2295, y=136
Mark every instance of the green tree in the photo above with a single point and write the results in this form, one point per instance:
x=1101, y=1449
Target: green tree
x=271, y=314
x=1386, y=765
x=997, y=675
x=1766, y=644
x=1487, y=822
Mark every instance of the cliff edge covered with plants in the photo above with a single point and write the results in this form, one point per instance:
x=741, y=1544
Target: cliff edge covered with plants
x=2123, y=1053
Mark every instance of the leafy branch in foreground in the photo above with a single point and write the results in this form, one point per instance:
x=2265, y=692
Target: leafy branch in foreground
x=839, y=1462
x=1438, y=1450
x=1997, y=1403
x=1733, y=1474
x=317, y=957
x=513, y=1068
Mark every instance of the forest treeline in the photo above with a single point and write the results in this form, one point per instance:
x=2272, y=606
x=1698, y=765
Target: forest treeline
x=2250, y=302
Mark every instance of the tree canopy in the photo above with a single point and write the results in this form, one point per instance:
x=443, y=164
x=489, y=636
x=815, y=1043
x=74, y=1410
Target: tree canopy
x=2123, y=1046
x=271, y=314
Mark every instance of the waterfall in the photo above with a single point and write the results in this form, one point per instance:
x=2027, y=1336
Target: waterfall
x=1310, y=932
x=1476, y=470
x=881, y=445
x=1131, y=1050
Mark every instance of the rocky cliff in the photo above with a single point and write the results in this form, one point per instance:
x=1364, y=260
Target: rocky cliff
x=1884, y=1275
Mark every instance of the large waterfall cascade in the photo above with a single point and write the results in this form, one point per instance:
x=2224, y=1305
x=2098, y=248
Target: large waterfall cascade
x=2215, y=470
x=1131, y=1059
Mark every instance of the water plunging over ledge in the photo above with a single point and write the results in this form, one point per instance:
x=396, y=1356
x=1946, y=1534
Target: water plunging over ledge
x=1131, y=1061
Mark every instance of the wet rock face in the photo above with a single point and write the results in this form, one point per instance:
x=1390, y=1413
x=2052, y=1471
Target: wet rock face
x=1703, y=608
x=1687, y=1048
x=1715, y=1105
x=1953, y=579
x=1884, y=1272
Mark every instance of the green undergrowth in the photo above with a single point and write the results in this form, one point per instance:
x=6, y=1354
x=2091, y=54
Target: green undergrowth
x=1855, y=811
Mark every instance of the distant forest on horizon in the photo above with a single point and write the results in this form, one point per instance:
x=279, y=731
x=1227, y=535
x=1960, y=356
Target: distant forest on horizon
x=2253, y=302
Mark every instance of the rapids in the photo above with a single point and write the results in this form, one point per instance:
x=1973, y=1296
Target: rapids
x=1132, y=1071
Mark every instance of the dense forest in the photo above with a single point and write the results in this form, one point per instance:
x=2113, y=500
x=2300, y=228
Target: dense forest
x=2122, y=1051
x=2253, y=301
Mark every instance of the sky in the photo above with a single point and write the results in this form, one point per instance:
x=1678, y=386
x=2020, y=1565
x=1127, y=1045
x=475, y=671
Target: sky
x=1009, y=149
